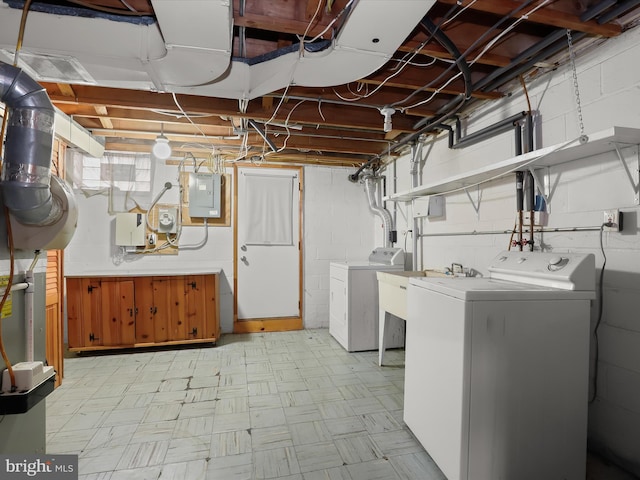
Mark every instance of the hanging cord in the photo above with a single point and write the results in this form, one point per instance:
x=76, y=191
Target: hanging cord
x=599, y=319
x=576, y=89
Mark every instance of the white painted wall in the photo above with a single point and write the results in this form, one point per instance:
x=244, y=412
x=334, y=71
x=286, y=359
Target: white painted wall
x=609, y=83
x=337, y=226
x=92, y=250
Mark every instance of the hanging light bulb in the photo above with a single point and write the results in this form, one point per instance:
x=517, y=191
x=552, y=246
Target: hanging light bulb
x=161, y=149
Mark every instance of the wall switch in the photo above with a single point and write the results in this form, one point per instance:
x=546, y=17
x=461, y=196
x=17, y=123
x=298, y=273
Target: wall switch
x=612, y=220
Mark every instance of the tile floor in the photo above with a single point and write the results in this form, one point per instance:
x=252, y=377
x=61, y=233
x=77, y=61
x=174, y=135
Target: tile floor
x=290, y=405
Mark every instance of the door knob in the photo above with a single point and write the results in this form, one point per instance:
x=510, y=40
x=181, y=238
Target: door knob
x=243, y=259
x=243, y=248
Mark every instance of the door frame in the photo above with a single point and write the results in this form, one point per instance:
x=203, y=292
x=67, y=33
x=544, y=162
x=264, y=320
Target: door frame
x=275, y=324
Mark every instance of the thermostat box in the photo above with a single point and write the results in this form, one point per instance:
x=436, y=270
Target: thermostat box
x=130, y=229
x=204, y=195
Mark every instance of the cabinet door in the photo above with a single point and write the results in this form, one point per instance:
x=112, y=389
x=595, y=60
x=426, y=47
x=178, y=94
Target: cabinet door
x=200, y=309
x=168, y=312
x=144, y=325
x=117, y=312
x=75, y=318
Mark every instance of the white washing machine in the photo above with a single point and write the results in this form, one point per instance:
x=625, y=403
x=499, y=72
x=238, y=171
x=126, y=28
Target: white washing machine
x=496, y=369
x=353, y=300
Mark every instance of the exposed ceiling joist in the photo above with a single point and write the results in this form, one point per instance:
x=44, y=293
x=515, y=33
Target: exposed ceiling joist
x=330, y=125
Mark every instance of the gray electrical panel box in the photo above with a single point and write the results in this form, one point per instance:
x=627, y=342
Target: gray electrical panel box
x=204, y=195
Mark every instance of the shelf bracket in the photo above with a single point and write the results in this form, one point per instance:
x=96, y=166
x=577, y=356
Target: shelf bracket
x=476, y=203
x=543, y=185
x=633, y=175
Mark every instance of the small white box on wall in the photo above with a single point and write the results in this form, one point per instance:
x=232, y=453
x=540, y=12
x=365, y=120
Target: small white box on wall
x=130, y=229
x=436, y=207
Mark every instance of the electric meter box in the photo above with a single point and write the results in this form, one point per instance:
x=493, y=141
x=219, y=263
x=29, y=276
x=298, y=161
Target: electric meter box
x=130, y=229
x=167, y=219
x=204, y=195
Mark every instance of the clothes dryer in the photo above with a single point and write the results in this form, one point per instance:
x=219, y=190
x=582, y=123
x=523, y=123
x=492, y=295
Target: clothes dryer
x=353, y=301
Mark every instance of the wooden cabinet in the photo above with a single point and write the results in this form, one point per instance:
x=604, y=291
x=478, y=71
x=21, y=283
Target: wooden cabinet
x=115, y=312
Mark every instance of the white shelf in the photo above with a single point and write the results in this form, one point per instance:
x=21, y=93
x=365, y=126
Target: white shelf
x=600, y=142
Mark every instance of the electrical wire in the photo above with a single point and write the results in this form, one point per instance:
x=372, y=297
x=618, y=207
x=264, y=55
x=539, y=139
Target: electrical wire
x=202, y=242
x=115, y=11
x=124, y=2
x=403, y=61
x=188, y=117
x=286, y=123
x=463, y=55
x=3, y=352
x=526, y=93
x=599, y=319
x=340, y=13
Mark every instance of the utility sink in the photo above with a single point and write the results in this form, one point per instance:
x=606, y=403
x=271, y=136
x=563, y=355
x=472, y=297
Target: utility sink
x=392, y=300
x=392, y=289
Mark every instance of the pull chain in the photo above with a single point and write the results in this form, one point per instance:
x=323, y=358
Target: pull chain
x=576, y=89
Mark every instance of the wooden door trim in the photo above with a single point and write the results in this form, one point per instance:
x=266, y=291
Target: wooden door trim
x=255, y=325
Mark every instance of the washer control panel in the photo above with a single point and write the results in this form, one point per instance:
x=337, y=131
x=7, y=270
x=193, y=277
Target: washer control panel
x=570, y=271
x=387, y=256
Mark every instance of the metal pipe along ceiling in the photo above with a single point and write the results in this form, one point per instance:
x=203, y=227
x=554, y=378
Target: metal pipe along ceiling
x=26, y=171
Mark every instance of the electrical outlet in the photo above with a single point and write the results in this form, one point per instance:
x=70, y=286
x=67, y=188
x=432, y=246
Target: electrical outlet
x=612, y=220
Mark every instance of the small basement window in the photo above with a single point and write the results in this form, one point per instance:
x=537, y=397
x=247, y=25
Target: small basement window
x=126, y=172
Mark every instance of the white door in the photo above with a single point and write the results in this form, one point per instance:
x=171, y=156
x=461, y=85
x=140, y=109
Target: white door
x=268, y=243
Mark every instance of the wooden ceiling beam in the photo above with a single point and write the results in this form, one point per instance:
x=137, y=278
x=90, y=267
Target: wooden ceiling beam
x=101, y=110
x=433, y=50
x=273, y=23
x=544, y=16
x=308, y=112
x=302, y=143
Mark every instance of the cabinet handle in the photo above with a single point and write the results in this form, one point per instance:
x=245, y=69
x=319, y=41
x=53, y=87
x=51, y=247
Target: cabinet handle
x=153, y=310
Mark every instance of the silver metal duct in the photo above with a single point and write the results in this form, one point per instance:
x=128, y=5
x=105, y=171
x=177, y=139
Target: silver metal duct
x=26, y=170
x=369, y=187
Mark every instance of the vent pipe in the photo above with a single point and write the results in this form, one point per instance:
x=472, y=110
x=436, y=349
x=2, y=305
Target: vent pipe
x=26, y=170
x=387, y=222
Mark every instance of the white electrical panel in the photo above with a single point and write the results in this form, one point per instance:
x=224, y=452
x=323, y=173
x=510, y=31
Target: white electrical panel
x=204, y=195
x=130, y=229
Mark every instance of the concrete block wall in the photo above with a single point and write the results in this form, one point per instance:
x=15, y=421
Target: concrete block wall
x=338, y=226
x=609, y=85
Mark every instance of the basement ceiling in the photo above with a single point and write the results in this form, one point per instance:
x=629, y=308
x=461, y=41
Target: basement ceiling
x=292, y=81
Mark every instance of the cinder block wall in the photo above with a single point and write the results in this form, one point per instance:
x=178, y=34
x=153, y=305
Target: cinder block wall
x=338, y=227
x=609, y=85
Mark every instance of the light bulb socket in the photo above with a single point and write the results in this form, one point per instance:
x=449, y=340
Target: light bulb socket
x=161, y=148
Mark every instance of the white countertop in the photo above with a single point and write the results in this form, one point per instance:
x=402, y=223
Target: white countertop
x=146, y=273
